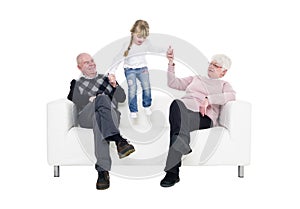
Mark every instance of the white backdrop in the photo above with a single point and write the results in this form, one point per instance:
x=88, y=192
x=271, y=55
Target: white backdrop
x=38, y=45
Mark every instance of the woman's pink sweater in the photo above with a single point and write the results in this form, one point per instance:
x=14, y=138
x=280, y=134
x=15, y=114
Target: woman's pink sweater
x=218, y=92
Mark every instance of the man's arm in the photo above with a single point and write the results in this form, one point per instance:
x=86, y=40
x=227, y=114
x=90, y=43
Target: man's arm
x=119, y=94
x=112, y=89
x=74, y=95
x=71, y=92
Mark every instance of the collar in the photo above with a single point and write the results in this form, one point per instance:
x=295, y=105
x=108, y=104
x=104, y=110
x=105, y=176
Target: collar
x=89, y=78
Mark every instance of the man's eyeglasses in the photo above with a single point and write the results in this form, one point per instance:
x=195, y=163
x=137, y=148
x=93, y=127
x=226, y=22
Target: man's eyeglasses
x=215, y=65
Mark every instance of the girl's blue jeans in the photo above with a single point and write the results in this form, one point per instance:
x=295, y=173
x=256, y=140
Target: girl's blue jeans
x=142, y=74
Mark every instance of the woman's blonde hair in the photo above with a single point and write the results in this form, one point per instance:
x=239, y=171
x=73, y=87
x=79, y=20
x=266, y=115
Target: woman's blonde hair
x=139, y=27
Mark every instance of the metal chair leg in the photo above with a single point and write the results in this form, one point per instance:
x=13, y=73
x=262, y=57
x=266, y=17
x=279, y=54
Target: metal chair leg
x=241, y=171
x=56, y=171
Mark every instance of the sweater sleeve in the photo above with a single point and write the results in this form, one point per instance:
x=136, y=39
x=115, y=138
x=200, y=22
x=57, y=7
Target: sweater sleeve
x=115, y=94
x=228, y=94
x=177, y=83
x=72, y=86
x=155, y=48
x=118, y=59
x=74, y=95
x=119, y=94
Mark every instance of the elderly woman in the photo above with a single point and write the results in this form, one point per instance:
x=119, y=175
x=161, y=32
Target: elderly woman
x=198, y=109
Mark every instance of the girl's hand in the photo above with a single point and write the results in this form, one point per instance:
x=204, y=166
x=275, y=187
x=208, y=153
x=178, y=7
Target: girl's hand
x=112, y=80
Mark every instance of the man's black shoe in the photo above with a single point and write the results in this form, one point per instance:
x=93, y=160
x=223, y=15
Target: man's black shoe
x=103, y=180
x=124, y=149
x=170, y=179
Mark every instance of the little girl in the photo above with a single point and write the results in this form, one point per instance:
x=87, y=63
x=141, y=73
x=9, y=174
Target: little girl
x=135, y=67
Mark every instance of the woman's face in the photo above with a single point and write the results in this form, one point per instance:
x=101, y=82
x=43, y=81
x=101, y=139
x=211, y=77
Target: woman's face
x=215, y=70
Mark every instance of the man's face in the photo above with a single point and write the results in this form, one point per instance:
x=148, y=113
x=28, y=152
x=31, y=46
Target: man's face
x=87, y=66
x=215, y=70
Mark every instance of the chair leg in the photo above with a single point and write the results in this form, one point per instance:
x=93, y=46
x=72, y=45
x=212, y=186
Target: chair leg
x=56, y=171
x=241, y=171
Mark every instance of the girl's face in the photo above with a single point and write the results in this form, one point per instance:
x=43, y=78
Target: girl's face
x=138, y=39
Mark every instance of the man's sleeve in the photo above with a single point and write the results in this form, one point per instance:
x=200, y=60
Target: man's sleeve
x=72, y=85
x=119, y=94
x=74, y=95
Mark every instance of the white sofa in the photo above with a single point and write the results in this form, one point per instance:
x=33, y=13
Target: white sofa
x=226, y=144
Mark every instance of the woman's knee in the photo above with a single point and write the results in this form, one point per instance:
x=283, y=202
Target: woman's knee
x=174, y=107
x=174, y=113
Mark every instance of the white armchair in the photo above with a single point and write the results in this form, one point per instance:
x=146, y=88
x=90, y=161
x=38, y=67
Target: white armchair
x=226, y=144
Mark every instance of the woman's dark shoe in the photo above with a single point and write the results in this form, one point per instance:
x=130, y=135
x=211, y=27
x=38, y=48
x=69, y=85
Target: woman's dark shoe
x=170, y=179
x=103, y=180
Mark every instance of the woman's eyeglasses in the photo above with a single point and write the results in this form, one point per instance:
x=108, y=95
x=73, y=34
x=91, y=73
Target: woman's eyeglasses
x=215, y=65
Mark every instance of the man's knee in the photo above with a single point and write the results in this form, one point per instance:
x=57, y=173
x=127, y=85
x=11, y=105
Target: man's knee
x=102, y=100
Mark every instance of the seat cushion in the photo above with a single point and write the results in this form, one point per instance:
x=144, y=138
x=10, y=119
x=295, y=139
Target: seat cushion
x=204, y=144
x=153, y=150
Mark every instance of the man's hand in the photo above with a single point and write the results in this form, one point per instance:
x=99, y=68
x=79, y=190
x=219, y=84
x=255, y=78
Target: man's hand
x=203, y=106
x=170, y=55
x=112, y=80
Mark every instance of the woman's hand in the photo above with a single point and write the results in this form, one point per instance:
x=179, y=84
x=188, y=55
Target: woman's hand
x=170, y=55
x=203, y=107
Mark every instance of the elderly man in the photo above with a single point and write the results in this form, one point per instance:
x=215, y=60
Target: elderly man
x=96, y=97
x=198, y=109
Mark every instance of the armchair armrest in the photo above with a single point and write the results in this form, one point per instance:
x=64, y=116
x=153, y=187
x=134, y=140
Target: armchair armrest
x=61, y=117
x=236, y=117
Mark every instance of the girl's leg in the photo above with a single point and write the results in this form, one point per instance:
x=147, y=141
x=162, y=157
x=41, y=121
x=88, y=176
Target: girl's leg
x=143, y=76
x=130, y=75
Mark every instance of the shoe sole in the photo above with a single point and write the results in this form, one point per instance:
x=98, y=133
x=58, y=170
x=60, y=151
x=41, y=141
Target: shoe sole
x=133, y=116
x=128, y=152
x=169, y=185
x=102, y=187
